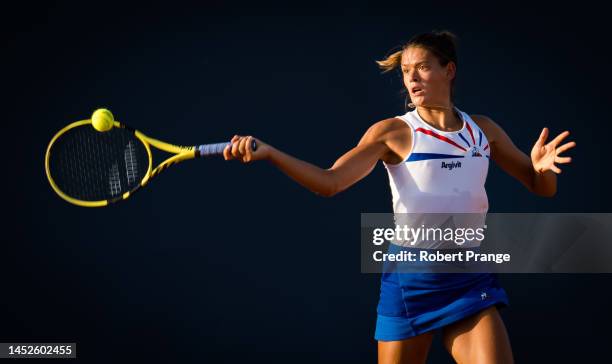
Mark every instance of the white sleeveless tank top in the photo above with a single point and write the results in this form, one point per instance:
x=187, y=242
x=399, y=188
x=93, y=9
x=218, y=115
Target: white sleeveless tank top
x=445, y=171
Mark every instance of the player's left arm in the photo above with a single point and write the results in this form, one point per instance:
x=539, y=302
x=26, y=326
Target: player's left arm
x=538, y=172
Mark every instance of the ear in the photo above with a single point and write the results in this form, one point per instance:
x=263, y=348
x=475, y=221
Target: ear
x=451, y=69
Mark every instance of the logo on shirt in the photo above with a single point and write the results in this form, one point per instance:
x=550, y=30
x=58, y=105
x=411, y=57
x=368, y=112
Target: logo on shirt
x=450, y=166
x=476, y=152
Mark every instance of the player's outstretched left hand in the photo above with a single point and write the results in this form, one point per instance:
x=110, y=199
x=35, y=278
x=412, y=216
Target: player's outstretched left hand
x=545, y=155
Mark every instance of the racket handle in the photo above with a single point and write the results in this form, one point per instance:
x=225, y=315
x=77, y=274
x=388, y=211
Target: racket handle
x=217, y=148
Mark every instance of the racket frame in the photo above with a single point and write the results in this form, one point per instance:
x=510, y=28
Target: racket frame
x=181, y=153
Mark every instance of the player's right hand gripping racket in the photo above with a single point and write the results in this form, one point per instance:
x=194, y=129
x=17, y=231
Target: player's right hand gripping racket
x=92, y=168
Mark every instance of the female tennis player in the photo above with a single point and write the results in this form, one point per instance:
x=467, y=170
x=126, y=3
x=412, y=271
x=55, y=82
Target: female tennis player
x=417, y=149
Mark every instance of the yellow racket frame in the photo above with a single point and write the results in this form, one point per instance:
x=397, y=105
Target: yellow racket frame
x=181, y=153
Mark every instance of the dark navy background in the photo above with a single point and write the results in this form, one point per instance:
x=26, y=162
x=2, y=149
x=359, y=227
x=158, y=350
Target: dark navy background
x=223, y=262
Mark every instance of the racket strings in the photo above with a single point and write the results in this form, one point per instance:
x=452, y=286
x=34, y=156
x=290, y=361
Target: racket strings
x=92, y=166
x=131, y=163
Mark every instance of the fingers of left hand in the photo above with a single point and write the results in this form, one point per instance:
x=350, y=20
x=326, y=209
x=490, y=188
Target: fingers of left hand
x=543, y=136
x=559, y=138
x=565, y=147
x=562, y=160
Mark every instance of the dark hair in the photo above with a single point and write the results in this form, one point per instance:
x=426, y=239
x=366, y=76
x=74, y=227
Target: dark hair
x=441, y=43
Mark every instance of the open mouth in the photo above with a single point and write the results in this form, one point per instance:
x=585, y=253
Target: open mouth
x=417, y=91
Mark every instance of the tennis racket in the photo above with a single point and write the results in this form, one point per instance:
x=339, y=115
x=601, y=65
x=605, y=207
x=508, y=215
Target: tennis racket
x=92, y=168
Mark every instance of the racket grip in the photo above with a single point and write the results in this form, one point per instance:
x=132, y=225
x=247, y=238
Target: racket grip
x=217, y=148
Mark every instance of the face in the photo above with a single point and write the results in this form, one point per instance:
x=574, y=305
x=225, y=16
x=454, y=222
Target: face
x=427, y=82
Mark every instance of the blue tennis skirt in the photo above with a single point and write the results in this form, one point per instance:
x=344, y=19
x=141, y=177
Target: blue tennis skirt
x=414, y=303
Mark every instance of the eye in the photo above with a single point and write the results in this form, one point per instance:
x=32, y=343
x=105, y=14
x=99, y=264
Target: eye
x=424, y=67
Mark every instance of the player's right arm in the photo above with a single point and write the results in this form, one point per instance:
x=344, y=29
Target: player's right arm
x=382, y=141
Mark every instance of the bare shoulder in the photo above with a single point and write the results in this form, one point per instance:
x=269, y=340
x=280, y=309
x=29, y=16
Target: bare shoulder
x=482, y=121
x=395, y=134
x=488, y=126
x=389, y=125
x=386, y=129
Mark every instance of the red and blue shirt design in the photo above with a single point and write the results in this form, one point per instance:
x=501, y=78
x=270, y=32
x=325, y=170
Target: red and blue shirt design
x=444, y=171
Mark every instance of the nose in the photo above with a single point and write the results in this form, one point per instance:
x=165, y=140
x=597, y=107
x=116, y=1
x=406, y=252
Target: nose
x=413, y=75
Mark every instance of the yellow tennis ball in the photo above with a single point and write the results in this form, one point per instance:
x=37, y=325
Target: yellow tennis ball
x=102, y=120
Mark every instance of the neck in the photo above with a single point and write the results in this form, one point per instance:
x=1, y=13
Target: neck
x=442, y=117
